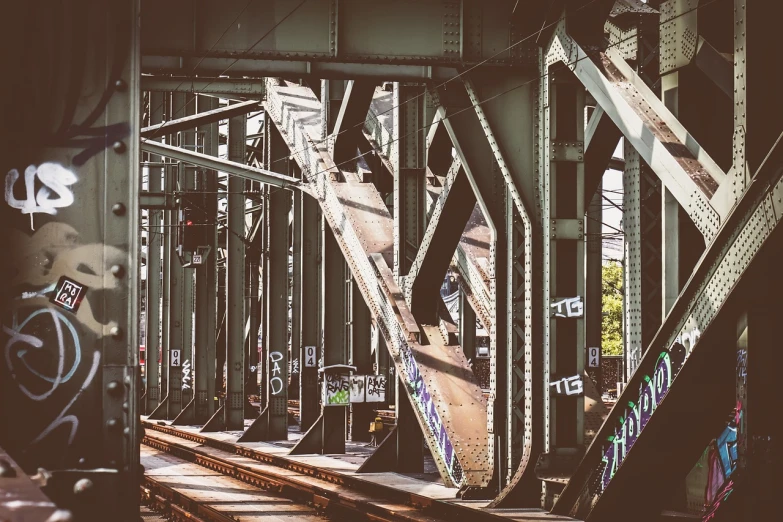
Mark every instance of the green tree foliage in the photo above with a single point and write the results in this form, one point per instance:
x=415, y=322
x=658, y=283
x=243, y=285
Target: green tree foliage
x=612, y=303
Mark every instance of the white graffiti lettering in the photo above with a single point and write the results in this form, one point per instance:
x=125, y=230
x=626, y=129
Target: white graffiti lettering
x=570, y=386
x=186, y=375
x=275, y=380
x=569, y=307
x=54, y=178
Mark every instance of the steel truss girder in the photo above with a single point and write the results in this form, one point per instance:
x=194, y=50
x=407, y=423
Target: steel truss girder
x=468, y=135
x=473, y=281
x=683, y=166
x=238, y=87
x=518, y=169
x=322, y=40
x=436, y=376
x=690, y=343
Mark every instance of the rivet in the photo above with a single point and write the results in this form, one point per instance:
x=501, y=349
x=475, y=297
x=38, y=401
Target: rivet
x=120, y=85
x=118, y=209
x=82, y=486
x=119, y=147
x=117, y=270
x=113, y=387
x=115, y=332
x=112, y=423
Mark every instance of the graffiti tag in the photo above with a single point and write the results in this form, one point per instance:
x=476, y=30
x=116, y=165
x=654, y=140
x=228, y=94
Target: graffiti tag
x=569, y=307
x=53, y=177
x=276, y=380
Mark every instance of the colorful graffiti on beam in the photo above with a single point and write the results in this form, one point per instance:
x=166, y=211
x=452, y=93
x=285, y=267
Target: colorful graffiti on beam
x=424, y=402
x=653, y=390
x=721, y=459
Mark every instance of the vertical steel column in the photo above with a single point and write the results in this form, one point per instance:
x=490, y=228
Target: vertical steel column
x=361, y=358
x=593, y=225
x=276, y=309
x=632, y=266
x=409, y=162
x=69, y=374
x=206, y=280
x=154, y=281
x=308, y=221
x=564, y=214
x=234, y=409
x=335, y=350
x=757, y=108
x=253, y=313
x=188, y=175
x=467, y=327
x=168, y=215
x=296, y=300
x=176, y=282
x=332, y=92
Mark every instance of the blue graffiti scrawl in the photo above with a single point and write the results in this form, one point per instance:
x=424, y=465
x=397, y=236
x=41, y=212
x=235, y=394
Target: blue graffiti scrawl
x=637, y=415
x=425, y=403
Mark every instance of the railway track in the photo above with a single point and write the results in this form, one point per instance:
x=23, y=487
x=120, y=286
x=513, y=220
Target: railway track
x=327, y=492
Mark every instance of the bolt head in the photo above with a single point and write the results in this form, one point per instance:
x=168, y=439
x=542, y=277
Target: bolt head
x=82, y=486
x=118, y=209
x=115, y=332
x=120, y=85
x=117, y=270
x=113, y=387
x=119, y=147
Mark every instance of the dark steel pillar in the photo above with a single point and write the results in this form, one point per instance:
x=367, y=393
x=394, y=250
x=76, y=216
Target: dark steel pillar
x=177, y=284
x=276, y=297
x=234, y=408
x=593, y=285
x=361, y=357
x=335, y=305
x=206, y=280
x=409, y=162
x=308, y=221
x=154, y=280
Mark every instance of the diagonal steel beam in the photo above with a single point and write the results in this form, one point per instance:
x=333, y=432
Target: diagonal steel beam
x=683, y=166
x=474, y=278
x=449, y=217
x=436, y=376
x=229, y=167
x=201, y=118
x=683, y=364
x=601, y=138
x=353, y=112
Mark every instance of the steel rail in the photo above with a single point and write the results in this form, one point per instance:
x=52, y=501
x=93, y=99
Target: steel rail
x=382, y=499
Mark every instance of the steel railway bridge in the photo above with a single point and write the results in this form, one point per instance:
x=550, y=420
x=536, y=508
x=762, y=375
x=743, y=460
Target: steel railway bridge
x=267, y=196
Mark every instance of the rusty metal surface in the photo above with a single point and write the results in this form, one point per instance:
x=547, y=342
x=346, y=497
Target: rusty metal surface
x=658, y=128
x=21, y=500
x=462, y=457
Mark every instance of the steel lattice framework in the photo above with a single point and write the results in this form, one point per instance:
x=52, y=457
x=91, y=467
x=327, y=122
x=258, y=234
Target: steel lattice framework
x=333, y=162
